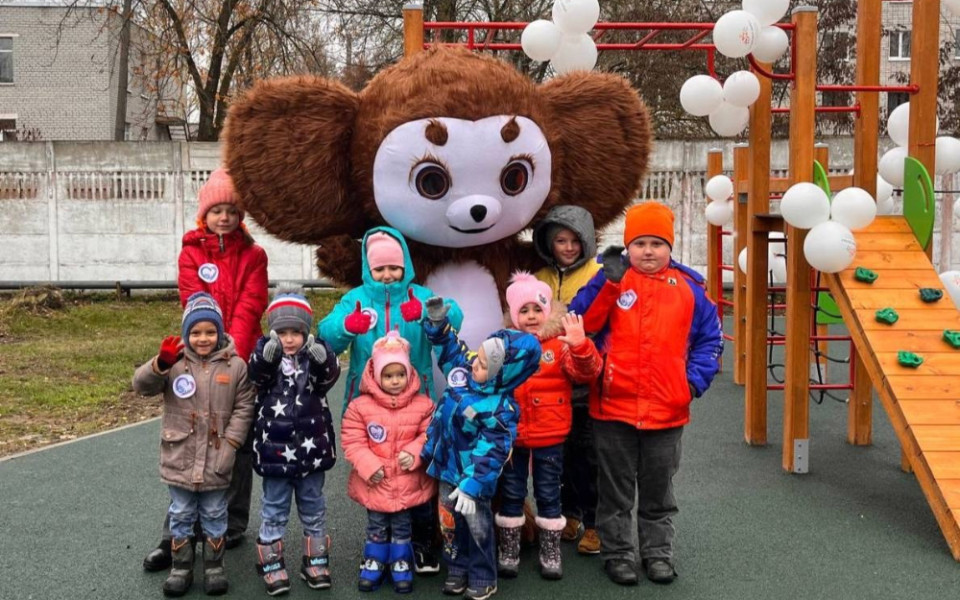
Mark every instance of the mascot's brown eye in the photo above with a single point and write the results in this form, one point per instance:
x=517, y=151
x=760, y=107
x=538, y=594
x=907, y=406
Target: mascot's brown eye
x=432, y=181
x=514, y=177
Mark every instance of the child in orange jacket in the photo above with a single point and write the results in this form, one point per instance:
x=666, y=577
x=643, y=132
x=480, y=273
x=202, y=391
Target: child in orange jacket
x=546, y=416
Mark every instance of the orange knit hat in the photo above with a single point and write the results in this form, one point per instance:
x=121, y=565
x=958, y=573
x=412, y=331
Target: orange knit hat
x=217, y=190
x=649, y=218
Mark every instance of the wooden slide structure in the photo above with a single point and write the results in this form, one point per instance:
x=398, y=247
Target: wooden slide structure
x=923, y=403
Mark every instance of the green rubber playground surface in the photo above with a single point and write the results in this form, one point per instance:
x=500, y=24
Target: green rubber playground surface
x=77, y=520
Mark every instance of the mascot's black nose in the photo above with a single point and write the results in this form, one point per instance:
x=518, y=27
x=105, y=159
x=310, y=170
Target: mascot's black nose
x=478, y=212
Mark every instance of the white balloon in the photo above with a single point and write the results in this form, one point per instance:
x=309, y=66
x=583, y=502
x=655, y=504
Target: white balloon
x=576, y=53
x=742, y=260
x=719, y=187
x=948, y=155
x=741, y=88
x=891, y=165
x=767, y=12
x=953, y=6
x=720, y=212
x=885, y=206
x=777, y=245
x=541, y=39
x=576, y=16
x=898, y=124
x=805, y=205
x=778, y=268
x=884, y=190
x=701, y=95
x=830, y=247
x=736, y=33
x=853, y=207
x=729, y=120
x=771, y=45
x=951, y=281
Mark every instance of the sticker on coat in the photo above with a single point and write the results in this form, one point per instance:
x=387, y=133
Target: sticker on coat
x=457, y=377
x=548, y=357
x=377, y=432
x=374, y=316
x=184, y=386
x=627, y=299
x=286, y=365
x=209, y=272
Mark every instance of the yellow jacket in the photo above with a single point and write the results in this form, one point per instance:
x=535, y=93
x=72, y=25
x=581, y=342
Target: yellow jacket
x=565, y=285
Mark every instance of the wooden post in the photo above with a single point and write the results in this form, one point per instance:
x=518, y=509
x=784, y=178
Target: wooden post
x=740, y=177
x=796, y=413
x=925, y=73
x=866, y=142
x=758, y=202
x=822, y=154
x=412, y=28
x=714, y=257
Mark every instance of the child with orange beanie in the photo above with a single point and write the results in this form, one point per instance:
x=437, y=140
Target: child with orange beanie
x=663, y=350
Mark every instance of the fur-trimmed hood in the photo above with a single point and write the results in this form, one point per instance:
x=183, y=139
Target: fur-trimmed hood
x=552, y=327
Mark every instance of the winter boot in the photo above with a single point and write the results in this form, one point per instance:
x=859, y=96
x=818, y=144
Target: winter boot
x=375, y=557
x=271, y=567
x=551, y=566
x=508, y=545
x=158, y=559
x=401, y=567
x=181, y=572
x=316, y=562
x=214, y=579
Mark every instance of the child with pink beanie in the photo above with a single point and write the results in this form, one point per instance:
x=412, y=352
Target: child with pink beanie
x=546, y=415
x=383, y=432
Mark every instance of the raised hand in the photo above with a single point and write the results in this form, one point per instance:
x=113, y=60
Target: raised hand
x=573, y=330
x=412, y=309
x=613, y=267
x=406, y=460
x=357, y=322
x=170, y=349
x=316, y=351
x=377, y=477
x=271, y=350
x=436, y=309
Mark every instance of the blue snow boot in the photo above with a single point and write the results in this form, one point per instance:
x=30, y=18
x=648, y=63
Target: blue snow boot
x=401, y=567
x=375, y=557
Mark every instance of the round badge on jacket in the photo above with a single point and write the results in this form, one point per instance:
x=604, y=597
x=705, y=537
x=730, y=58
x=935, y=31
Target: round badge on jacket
x=627, y=299
x=184, y=386
x=377, y=432
x=374, y=317
x=286, y=365
x=208, y=272
x=457, y=377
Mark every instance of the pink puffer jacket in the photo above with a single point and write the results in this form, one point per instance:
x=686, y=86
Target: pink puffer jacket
x=376, y=428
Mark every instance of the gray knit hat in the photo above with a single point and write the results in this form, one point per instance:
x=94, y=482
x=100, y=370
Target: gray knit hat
x=289, y=309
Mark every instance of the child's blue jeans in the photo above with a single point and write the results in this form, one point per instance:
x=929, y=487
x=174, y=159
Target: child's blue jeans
x=469, y=547
x=184, y=506
x=547, y=473
x=278, y=496
x=386, y=527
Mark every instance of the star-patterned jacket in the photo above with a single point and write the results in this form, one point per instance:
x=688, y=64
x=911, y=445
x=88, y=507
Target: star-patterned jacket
x=293, y=431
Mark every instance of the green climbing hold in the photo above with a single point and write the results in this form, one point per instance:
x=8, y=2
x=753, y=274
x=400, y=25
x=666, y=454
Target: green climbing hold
x=909, y=359
x=865, y=275
x=887, y=315
x=930, y=294
x=952, y=337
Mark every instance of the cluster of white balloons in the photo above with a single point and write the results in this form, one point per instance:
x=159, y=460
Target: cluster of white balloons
x=564, y=41
x=830, y=246
x=951, y=281
x=898, y=128
x=776, y=258
x=736, y=34
x=720, y=208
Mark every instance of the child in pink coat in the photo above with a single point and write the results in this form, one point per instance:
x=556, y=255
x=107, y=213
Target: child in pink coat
x=382, y=434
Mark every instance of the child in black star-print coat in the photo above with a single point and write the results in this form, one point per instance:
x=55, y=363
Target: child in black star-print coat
x=294, y=442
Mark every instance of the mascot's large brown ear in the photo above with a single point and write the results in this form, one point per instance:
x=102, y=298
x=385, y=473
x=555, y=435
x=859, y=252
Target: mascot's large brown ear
x=604, y=132
x=288, y=152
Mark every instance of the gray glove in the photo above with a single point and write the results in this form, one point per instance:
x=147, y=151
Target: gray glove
x=316, y=351
x=271, y=350
x=436, y=309
x=613, y=267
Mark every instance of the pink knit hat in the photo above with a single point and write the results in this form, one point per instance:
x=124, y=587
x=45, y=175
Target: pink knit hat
x=217, y=190
x=383, y=250
x=525, y=288
x=388, y=350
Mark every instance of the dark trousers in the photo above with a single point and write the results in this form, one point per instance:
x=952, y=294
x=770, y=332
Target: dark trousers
x=547, y=470
x=238, y=495
x=469, y=546
x=388, y=527
x=579, y=490
x=629, y=460
x=424, y=518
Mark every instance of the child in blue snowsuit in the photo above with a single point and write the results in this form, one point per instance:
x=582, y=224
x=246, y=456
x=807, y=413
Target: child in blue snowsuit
x=469, y=440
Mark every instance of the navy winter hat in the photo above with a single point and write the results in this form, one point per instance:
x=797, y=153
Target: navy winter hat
x=201, y=307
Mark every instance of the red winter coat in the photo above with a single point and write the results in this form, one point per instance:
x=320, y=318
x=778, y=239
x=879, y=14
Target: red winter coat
x=546, y=413
x=375, y=429
x=240, y=282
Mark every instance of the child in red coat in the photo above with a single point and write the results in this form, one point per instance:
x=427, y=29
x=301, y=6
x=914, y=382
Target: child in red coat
x=383, y=432
x=546, y=416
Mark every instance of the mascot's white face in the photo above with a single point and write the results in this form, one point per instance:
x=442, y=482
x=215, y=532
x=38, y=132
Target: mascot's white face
x=457, y=183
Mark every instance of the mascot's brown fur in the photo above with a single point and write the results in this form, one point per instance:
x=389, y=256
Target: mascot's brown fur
x=301, y=151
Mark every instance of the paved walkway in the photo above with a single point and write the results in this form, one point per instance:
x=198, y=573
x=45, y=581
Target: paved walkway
x=77, y=519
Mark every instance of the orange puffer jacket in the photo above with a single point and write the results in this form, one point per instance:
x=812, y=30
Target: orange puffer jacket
x=544, y=399
x=376, y=428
